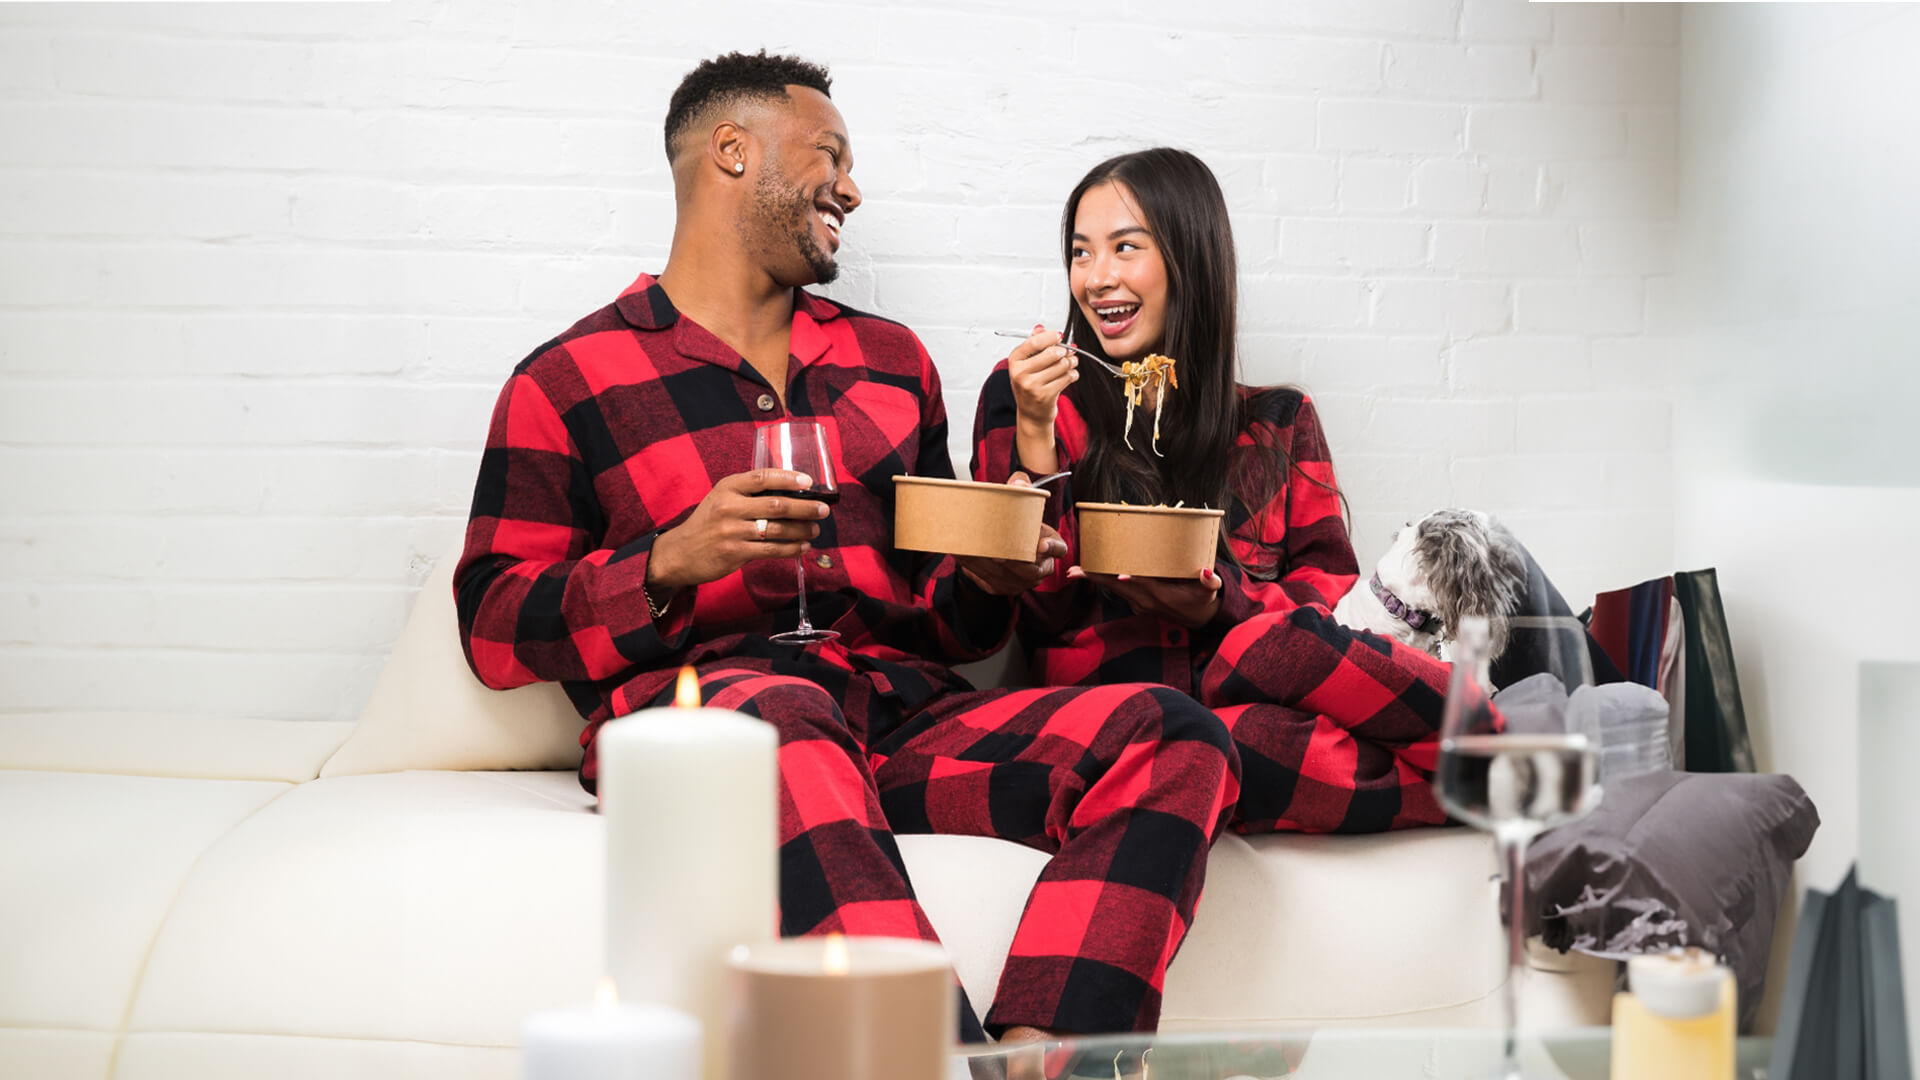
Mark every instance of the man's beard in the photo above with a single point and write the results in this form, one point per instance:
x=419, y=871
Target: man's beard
x=783, y=215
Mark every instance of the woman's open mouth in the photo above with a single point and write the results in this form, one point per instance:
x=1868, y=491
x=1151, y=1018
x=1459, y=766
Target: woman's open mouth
x=1114, y=320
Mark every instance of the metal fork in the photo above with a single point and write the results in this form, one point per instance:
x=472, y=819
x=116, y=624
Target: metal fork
x=1068, y=344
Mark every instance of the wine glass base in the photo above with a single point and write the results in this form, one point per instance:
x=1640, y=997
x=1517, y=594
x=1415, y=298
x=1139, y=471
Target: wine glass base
x=806, y=636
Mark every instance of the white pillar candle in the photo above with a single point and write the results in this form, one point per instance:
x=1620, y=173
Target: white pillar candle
x=610, y=1041
x=690, y=800
x=842, y=1008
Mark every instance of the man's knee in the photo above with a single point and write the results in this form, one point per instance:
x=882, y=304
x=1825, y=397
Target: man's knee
x=797, y=708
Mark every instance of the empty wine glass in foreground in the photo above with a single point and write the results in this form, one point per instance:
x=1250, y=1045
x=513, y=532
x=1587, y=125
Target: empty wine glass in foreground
x=1517, y=776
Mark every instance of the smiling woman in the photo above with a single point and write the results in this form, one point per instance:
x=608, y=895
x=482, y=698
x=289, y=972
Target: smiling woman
x=1150, y=269
x=1335, y=732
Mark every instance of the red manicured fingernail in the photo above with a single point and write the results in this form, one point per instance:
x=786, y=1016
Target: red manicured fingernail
x=1206, y=573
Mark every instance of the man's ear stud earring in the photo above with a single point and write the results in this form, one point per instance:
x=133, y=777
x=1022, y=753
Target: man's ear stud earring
x=739, y=166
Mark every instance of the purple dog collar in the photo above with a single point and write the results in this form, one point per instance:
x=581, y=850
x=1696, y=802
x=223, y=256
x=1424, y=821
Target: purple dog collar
x=1400, y=609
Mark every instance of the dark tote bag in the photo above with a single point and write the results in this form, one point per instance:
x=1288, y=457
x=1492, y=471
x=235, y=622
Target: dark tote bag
x=1716, y=722
x=1844, y=1014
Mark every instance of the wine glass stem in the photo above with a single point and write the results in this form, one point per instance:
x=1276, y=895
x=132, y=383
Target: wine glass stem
x=800, y=575
x=1513, y=866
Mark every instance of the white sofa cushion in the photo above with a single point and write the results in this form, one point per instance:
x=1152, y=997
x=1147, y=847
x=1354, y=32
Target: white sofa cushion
x=195, y=1056
x=146, y=744
x=429, y=712
x=52, y=1054
x=1392, y=926
x=445, y=907
x=93, y=864
x=433, y=906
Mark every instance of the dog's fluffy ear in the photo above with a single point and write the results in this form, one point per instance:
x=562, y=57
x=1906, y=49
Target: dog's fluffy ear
x=1473, y=566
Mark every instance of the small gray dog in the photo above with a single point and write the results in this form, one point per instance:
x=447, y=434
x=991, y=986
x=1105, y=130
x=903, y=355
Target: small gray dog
x=1448, y=564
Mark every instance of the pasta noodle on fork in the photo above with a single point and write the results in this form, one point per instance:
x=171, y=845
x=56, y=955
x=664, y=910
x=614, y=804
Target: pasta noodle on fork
x=1155, y=371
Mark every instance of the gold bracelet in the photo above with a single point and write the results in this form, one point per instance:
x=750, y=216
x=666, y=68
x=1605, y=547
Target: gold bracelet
x=658, y=611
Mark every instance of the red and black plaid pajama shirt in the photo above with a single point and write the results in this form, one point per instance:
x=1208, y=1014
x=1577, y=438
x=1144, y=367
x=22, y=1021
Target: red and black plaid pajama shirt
x=1337, y=729
x=617, y=430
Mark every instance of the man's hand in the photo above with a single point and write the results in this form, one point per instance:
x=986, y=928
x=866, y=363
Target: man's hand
x=1011, y=577
x=733, y=526
x=1190, y=603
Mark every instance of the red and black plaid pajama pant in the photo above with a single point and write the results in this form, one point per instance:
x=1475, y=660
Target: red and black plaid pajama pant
x=1337, y=729
x=1126, y=786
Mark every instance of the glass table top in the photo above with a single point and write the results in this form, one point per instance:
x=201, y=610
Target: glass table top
x=1328, y=1054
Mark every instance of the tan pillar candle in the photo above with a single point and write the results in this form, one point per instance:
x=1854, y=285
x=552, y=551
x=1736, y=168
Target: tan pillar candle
x=841, y=1008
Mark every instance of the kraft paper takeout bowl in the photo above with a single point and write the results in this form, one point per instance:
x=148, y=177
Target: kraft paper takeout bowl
x=1146, y=541
x=964, y=517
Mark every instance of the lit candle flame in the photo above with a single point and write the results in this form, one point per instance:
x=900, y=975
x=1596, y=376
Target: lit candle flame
x=834, y=960
x=606, y=993
x=686, y=694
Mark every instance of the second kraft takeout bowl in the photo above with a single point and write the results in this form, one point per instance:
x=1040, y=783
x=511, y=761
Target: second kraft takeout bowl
x=965, y=517
x=1146, y=541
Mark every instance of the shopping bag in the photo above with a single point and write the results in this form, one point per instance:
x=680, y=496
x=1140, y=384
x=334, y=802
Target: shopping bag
x=1631, y=625
x=1716, y=721
x=1641, y=629
x=1844, y=1013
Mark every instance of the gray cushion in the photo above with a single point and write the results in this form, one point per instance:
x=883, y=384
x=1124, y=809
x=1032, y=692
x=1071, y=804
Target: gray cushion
x=1672, y=858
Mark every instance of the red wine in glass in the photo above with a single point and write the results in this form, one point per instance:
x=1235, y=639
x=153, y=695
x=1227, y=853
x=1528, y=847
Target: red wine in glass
x=799, y=446
x=830, y=497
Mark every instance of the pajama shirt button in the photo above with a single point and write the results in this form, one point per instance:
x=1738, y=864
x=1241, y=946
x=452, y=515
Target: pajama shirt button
x=1173, y=637
x=824, y=562
x=765, y=403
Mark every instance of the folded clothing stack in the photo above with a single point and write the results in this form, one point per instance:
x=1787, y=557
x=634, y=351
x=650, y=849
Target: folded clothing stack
x=1631, y=720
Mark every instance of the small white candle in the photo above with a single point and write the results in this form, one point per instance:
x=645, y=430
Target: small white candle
x=1678, y=984
x=690, y=800
x=610, y=1041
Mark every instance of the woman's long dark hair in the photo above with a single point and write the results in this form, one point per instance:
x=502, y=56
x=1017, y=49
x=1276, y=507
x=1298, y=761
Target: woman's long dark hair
x=1187, y=215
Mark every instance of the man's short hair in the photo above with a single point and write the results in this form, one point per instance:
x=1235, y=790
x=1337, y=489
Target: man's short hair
x=734, y=77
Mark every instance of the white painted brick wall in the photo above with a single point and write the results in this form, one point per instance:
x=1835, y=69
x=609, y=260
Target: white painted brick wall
x=263, y=268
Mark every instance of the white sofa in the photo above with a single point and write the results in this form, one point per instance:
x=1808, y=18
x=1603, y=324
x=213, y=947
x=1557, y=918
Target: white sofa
x=214, y=899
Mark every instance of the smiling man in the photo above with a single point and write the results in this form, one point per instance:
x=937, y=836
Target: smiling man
x=619, y=532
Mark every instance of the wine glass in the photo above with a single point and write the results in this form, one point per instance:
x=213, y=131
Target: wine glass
x=1523, y=769
x=799, y=446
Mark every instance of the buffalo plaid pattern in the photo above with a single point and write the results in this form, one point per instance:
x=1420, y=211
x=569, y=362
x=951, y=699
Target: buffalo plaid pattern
x=1294, y=549
x=1125, y=785
x=617, y=429
x=1336, y=730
